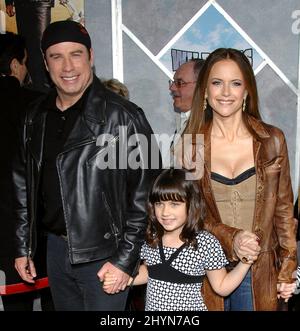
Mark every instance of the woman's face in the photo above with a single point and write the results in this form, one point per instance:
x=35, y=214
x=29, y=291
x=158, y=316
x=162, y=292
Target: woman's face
x=226, y=88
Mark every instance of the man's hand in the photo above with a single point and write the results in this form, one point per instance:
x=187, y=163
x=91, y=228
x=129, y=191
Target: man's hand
x=121, y=278
x=10, y=11
x=110, y=279
x=246, y=246
x=25, y=268
x=108, y=282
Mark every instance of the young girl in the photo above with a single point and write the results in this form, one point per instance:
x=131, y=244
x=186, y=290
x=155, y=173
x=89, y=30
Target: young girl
x=178, y=253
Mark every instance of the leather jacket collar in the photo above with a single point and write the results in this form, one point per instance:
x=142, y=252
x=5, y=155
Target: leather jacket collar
x=92, y=114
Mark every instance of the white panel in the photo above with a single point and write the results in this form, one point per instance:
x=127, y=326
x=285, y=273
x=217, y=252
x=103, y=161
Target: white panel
x=117, y=42
x=147, y=51
x=297, y=157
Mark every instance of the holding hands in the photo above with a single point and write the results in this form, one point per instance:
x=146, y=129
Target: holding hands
x=285, y=290
x=109, y=282
x=119, y=281
x=10, y=11
x=246, y=246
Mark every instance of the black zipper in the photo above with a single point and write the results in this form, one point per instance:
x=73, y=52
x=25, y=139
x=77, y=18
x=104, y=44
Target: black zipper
x=115, y=230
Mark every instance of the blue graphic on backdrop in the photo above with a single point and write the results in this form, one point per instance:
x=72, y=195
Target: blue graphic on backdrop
x=209, y=32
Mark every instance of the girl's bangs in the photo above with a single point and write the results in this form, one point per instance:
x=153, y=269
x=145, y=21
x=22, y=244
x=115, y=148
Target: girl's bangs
x=167, y=194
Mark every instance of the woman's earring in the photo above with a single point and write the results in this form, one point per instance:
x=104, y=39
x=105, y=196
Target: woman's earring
x=204, y=104
x=244, y=105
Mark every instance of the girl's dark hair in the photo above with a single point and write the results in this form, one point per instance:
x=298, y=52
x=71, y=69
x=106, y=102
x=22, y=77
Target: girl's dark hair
x=172, y=185
x=12, y=46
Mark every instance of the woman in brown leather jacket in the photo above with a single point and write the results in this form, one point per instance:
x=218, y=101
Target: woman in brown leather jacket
x=246, y=183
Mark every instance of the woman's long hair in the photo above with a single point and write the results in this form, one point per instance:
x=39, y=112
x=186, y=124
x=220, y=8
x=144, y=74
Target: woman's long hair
x=199, y=116
x=172, y=185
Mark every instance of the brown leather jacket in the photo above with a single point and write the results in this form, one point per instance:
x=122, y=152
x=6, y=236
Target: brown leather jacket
x=273, y=217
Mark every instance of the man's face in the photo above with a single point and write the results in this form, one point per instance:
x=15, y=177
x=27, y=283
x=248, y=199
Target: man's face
x=183, y=95
x=19, y=69
x=70, y=68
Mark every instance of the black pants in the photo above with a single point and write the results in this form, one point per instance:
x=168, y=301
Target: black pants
x=76, y=287
x=24, y=301
x=32, y=19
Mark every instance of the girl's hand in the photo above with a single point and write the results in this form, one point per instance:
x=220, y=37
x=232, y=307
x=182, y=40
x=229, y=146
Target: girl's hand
x=285, y=290
x=130, y=281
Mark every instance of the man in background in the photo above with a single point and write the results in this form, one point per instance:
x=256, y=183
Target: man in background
x=14, y=100
x=182, y=89
x=32, y=18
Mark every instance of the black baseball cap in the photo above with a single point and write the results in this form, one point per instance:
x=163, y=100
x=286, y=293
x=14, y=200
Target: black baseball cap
x=61, y=31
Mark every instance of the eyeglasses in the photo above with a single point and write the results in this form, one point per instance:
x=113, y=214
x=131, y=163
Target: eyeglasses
x=179, y=83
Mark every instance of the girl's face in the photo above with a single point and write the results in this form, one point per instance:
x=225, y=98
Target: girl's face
x=172, y=215
x=226, y=88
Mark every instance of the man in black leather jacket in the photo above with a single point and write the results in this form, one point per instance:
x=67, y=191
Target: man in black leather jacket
x=85, y=168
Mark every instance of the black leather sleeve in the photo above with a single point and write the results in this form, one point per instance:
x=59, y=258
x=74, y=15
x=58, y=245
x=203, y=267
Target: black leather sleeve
x=139, y=182
x=20, y=199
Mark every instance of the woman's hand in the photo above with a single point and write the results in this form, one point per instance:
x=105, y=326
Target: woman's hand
x=246, y=246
